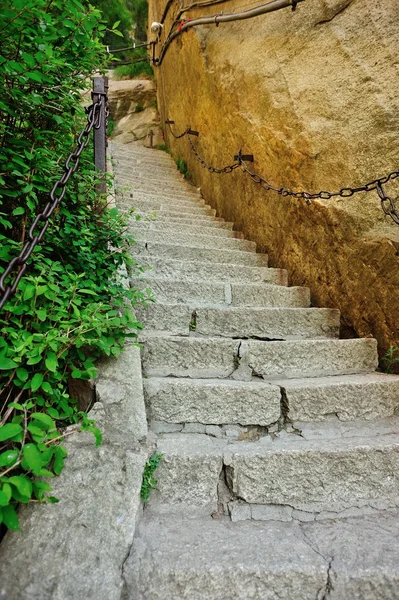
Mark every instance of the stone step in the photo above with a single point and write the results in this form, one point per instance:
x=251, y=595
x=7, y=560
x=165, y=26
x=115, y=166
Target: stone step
x=150, y=187
x=327, y=469
x=138, y=178
x=212, y=401
x=163, y=206
x=206, y=559
x=166, y=164
x=197, y=220
x=194, y=271
x=187, y=228
x=226, y=402
x=348, y=397
x=179, y=201
x=215, y=357
x=199, y=253
x=209, y=293
x=246, y=322
x=179, y=236
x=142, y=155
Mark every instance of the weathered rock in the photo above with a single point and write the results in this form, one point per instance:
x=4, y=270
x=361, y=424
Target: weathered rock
x=76, y=549
x=265, y=85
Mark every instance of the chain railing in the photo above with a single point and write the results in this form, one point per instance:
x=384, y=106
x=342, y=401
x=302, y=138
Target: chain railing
x=388, y=204
x=97, y=118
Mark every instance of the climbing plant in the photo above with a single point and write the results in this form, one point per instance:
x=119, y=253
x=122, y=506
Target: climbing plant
x=71, y=307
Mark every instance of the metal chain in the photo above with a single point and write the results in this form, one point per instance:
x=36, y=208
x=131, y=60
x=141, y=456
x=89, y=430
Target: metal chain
x=210, y=168
x=388, y=205
x=37, y=231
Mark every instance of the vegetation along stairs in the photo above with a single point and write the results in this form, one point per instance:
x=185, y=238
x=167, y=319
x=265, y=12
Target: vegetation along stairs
x=280, y=469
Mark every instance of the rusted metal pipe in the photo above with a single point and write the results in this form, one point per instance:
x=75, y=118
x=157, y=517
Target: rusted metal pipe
x=239, y=16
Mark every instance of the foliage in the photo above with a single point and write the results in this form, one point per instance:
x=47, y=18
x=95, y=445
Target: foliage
x=149, y=481
x=162, y=147
x=133, y=70
x=71, y=307
x=390, y=360
x=115, y=12
x=183, y=167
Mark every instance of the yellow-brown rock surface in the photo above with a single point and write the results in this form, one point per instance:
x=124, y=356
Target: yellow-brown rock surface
x=133, y=108
x=313, y=94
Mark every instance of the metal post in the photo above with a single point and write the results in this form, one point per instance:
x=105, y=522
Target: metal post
x=151, y=136
x=100, y=86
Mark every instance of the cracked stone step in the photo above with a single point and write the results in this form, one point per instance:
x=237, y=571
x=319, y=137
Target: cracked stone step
x=210, y=402
x=329, y=470
x=209, y=293
x=349, y=397
x=245, y=322
x=191, y=229
x=195, y=270
x=179, y=236
x=195, y=253
x=175, y=557
x=195, y=357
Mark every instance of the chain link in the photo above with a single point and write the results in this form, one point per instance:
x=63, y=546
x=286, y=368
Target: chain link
x=210, y=168
x=17, y=266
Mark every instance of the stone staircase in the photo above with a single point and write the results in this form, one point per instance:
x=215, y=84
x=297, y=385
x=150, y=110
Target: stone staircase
x=280, y=470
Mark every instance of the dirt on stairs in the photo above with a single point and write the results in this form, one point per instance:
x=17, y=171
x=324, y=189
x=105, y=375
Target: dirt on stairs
x=280, y=470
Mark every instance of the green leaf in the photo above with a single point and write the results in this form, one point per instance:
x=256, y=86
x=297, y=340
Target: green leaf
x=34, y=360
x=18, y=211
x=22, y=374
x=45, y=419
x=8, y=458
x=10, y=517
x=23, y=484
x=29, y=291
x=6, y=363
x=9, y=430
x=33, y=458
x=36, y=381
x=41, y=314
x=51, y=361
x=59, y=455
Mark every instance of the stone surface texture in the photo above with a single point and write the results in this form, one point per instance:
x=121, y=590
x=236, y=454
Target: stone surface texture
x=312, y=94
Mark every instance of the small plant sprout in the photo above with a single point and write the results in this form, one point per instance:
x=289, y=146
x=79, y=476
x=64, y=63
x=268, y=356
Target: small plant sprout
x=149, y=481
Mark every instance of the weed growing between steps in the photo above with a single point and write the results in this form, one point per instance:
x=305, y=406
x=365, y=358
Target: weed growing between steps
x=149, y=481
x=390, y=362
x=183, y=168
x=71, y=307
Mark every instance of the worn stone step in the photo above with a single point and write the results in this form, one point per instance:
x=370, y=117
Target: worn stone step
x=348, y=397
x=203, y=253
x=179, y=236
x=325, y=469
x=212, y=357
x=179, y=201
x=194, y=270
x=212, y=401
x=172, y=181
x=197, y=220
x=187, y=228
x=206, y=559
x=163, y=206
x=244, y=322
x=209, y=293
x=150, y=187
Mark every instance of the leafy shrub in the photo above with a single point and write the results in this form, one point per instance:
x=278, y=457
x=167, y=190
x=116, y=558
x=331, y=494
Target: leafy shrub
x=133, y=70
x=183, y=167
x=149, y=481
x=70, y=307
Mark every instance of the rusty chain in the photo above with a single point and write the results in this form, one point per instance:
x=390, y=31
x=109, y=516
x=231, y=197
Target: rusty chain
x=210, y=168
x=388, y=204
x=35, y=235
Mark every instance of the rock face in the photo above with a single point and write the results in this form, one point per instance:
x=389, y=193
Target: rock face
x=133, y=108
x=313, y=95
